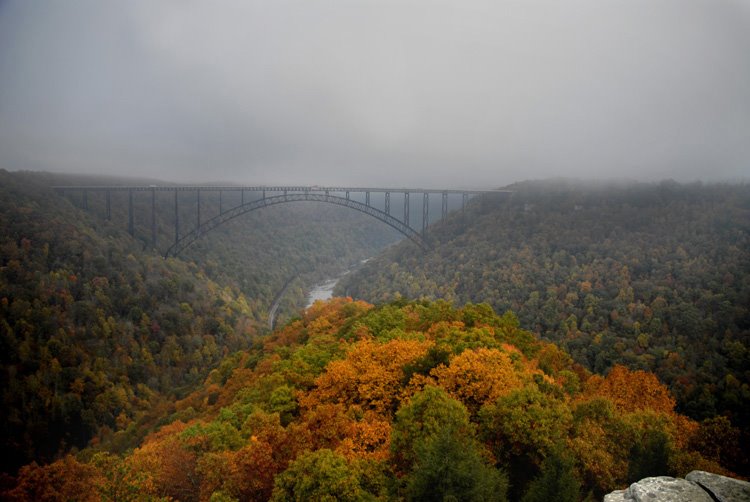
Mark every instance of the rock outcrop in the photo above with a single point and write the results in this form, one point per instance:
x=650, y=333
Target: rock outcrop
x=722, y=488
x=698, y=486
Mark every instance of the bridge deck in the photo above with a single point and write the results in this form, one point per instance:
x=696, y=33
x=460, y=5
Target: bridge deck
x=273, y=188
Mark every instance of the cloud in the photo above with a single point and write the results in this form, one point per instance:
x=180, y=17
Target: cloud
x=409, y=92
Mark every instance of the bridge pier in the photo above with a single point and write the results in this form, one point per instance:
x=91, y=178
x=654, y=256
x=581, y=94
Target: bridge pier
x=153, y=217
x=388, y=203
x=406, y=208
x=198, y=208
x=176, y=216
x=425, y=212
x=131, y=226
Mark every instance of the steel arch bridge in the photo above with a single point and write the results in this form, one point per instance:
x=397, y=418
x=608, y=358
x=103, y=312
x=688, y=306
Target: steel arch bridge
x=361, y=199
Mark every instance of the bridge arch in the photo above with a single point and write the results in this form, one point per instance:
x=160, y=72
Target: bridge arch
x=205, y=227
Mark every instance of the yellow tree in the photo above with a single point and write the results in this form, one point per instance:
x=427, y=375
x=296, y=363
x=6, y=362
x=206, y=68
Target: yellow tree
x=475, y=377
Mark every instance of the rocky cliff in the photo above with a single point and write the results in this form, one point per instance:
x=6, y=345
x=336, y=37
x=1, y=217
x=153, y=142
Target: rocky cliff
x=698, y=486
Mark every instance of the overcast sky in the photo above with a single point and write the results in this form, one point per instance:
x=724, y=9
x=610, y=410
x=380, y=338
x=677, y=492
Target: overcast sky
x=462, y=93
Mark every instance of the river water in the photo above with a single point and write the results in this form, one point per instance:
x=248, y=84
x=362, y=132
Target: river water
x=324, y=290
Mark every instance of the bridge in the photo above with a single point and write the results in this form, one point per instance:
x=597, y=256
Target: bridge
x=234, y=201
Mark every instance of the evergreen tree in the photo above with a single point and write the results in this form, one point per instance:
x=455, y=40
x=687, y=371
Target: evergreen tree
x=556, y=481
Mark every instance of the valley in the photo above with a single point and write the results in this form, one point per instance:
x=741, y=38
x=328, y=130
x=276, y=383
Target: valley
x=565, y=305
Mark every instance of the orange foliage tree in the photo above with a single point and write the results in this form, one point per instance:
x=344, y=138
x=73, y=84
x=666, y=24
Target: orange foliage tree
x=63, y=480
x=631, y=390
x=369, y=378
x=475, y=377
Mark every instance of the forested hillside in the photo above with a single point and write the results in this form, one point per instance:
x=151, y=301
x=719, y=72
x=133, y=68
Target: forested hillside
x=99, y=334
x=651, y=276
x=407, y=401
x=258, y=252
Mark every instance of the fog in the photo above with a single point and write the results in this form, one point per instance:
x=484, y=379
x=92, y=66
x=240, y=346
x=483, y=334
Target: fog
x=433, y=93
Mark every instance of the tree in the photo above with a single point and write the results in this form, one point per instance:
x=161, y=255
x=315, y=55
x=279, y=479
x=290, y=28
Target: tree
x=716, y=439
x=433, y=443
x=632, y=390
x=525, y=422
x=556, y=481
x=649, y=456
x=370, y=376
x=421, y=419
x=451, y=467
x=63, y=480
x=321, y=475
x=475, y=377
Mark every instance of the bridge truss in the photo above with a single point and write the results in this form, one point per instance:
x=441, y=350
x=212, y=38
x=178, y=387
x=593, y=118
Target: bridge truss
x=375, y=202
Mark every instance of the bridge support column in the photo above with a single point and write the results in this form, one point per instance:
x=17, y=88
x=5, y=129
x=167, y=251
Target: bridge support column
x=367, y=198
x=198, y=206
x=131, y=226
x=425, y=212
x=388, y=203
x=445, y=205
x=153, y=217
x=176, y=216
x=464, y=201
x=406, y=208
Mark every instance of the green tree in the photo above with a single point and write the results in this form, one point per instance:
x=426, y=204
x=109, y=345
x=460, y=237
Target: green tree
x=421, y=419
x=556, y=481
x=525, y=422
x=649, y=456
x=321, y=475
x=451, y=467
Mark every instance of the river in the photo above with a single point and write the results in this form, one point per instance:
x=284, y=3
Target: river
x=321, y=291
x=324, y=290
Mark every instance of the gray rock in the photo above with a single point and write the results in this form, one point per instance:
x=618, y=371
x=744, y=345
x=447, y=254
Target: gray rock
x=666, y=489
x=724, y=489
x=616, y=496
x=660, y=489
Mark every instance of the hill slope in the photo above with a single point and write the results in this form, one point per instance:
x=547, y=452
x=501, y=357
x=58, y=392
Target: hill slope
x=415, y=401
x=655, y=277
x=98, y=332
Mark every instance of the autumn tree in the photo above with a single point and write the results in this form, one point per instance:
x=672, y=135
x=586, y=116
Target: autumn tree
x=632, y=390
x=63, y=480
x=475, y=377
x=370, y=377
